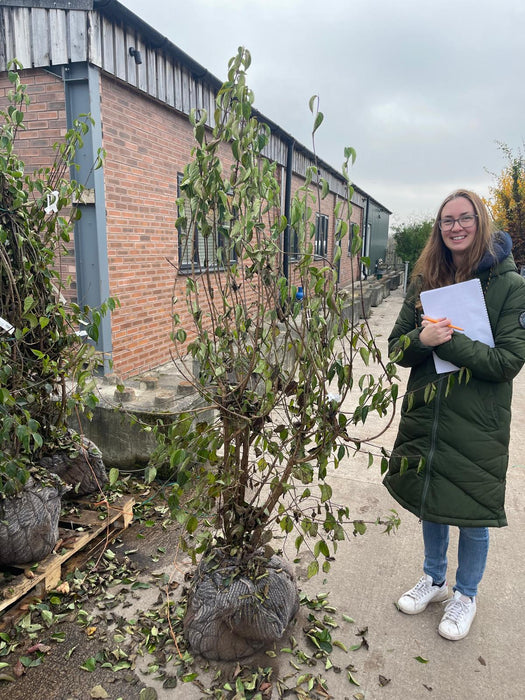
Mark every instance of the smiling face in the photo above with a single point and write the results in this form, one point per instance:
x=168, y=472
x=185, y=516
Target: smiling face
x=458, y=238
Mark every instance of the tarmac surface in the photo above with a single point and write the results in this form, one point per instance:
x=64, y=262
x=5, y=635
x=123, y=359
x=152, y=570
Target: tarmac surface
x=404, y=657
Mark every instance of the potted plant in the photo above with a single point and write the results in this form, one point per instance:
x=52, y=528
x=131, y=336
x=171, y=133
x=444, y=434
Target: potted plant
x=276, y=365
x=45, y=368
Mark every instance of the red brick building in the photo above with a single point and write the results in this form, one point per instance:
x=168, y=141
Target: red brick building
x=95, y=56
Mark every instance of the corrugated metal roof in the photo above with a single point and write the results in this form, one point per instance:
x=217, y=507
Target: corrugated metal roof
x=43, y=33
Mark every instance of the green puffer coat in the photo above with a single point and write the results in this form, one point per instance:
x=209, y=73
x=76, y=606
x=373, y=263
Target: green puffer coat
x=462, y=435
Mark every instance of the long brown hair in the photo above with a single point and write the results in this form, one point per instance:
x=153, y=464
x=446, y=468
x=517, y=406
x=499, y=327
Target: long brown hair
x=435, y=266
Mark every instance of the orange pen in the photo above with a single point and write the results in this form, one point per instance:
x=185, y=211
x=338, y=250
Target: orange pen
x=434, y=320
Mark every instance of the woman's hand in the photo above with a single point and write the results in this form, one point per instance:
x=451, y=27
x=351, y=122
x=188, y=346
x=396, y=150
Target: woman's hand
x=436, y=333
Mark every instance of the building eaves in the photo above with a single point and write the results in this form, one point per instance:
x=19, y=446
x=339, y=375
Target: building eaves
x=119, y=13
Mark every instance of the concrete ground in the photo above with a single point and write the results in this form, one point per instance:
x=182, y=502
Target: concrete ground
x=372, y=571
x=406, y=659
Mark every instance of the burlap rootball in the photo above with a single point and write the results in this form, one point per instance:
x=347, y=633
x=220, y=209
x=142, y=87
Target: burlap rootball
x=29, y=523
x=230, y=616
x=84, y=471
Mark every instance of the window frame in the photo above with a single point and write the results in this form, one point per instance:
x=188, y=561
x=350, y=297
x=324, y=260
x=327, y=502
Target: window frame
x=321, y=235
x=191, y=261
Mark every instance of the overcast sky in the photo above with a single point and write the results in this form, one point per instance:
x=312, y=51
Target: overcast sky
x=422, y=89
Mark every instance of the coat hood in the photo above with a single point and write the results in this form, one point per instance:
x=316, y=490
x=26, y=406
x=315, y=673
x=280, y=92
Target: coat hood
x=502, y=245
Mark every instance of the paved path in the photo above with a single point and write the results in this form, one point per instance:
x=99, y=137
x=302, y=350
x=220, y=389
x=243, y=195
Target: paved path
x=373, y=570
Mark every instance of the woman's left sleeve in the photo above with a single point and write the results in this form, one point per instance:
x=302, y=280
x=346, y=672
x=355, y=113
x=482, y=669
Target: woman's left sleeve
x=502, y=362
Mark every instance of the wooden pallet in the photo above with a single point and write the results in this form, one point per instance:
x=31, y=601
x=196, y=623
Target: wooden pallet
x=80, y=523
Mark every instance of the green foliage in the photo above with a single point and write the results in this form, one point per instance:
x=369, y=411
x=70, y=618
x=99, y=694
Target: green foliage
x=276, y=370
x=410, y=240
x=40, y=350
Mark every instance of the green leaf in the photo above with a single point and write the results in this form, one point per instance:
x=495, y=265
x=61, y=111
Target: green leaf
x=28, y=662
x=189, y=677
x=48, y=617
x=421, y=659
x=192, y=524
x=149, y=474
x=148, y=694
x=326, y=492
x=313, y=568
x=89, y=665
x=352, y=679
x=318, y=121
x=359, y=527
x=120, y=665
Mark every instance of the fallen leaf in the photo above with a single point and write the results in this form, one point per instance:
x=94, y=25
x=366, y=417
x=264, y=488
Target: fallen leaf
x=352, y=679
x=98, y=692
x=39, y=647
x=6, y=677
x=148, y=694
x=482, y=661
x=421, y=659
x=18, y=669
x=63, y=587
x=90, y=631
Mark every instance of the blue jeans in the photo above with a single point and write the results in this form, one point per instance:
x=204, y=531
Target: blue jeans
x=472, y=555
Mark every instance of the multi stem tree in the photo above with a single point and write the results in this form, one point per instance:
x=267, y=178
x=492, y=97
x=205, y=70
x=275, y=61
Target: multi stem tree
x=275, y=368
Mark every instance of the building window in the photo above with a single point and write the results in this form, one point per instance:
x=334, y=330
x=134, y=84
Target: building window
x=321, y=235
x=293, y=244
x=198, y=252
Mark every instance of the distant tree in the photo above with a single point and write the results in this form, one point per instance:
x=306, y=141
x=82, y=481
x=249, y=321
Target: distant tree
x=410, y=240
x=507, y=202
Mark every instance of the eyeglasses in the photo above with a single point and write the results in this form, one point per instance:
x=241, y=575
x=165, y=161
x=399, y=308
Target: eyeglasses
x=464, y=221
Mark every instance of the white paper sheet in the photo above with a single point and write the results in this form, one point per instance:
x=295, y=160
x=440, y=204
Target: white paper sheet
x=464, y=304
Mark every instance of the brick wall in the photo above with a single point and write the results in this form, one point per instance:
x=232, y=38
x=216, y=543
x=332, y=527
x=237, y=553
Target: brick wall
x=45, y=123
x=147, y=144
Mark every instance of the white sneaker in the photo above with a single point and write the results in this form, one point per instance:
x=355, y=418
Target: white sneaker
x=459, y=613
x=424, y=592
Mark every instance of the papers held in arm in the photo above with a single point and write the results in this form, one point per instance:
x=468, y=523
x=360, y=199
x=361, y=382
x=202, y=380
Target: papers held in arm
x=464, y=304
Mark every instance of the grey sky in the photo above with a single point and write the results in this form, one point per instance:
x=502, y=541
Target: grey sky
x=422, y=89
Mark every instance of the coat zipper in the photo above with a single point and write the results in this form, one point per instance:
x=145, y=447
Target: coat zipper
x=433, y=444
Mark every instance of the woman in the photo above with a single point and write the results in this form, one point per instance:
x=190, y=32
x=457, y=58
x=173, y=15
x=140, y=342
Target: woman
x=450, y=458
